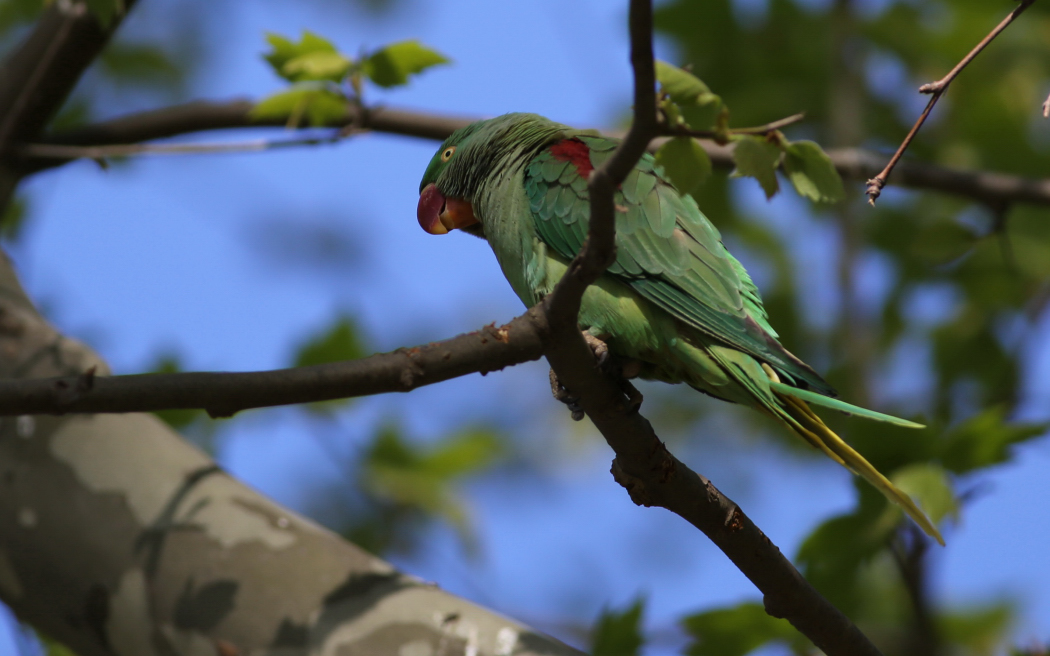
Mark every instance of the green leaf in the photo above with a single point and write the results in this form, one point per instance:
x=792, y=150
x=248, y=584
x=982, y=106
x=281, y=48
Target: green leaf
x=735, y=631
x=390, y=66
x=980, y=630
x=312, y=100
x=462, y=454
x=105, y=10
x=329, y=66
x=617, y=633
x=757, y=158
x=53, y=647
x=832, y=555
x=682, y=86
x=395, y=471
x=694, y=105
x=340, y=342
x=313, y=58
x=141, y=64
x=685, y=162
x=985, y=440
x=928, y=484
x=13, y=219
x=811, y=172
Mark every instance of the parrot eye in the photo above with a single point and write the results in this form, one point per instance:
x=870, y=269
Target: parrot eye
x=447, y=154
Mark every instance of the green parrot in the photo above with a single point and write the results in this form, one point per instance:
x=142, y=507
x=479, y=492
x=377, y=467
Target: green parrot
x=675, y=302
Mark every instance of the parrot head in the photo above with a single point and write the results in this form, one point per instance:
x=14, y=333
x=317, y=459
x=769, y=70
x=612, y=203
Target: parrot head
x=467, y=161
x=443, y=205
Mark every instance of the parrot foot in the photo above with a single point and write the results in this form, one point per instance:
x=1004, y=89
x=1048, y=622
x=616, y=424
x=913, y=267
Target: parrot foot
x=599, y=348
x=609, y=365
x=562, y=394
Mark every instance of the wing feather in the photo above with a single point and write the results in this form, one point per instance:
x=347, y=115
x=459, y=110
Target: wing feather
x=667, y=251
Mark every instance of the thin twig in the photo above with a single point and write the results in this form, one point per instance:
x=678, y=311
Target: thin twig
x=63, y=152
x=937, y=89
x=760, y=130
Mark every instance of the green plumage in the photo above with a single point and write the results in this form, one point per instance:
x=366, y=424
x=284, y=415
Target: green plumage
x=674, y=299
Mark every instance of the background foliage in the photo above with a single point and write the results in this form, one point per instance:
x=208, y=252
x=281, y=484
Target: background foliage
x=925, y=306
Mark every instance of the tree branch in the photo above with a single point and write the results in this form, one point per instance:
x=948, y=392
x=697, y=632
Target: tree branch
x=937, y=89
x=852, y=163
x=651, y=474
x=223, y=394
x=40, y=73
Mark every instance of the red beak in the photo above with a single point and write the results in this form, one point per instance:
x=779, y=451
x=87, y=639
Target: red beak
x=439, y=215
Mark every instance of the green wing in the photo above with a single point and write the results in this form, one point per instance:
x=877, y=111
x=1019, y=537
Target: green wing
x=667, y=251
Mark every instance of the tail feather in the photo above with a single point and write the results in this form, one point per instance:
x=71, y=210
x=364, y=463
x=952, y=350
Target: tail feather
x=807, y=424
x=841, y=406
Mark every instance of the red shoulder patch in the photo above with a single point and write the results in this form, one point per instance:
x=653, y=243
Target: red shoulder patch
x=575, y=151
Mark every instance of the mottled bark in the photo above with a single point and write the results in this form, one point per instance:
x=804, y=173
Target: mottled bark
x=117, y=537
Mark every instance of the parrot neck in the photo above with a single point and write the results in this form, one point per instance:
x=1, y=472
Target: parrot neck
x=504, y=210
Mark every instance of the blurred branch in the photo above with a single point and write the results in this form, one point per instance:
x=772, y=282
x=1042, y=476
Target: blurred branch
x=38, y=75
x=910, y=553
x=67, y=153
x=851, y=163
x=937, y=89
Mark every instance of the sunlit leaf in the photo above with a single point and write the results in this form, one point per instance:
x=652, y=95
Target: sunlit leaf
x=693, y=103
x=685, y=162
x=929, y=485
x=309, y=100
x=618, y=633
x=811, y=172
x=390, y=66
x=331, y=66
x=294, y=61
x=735, y=631
x=757, y=158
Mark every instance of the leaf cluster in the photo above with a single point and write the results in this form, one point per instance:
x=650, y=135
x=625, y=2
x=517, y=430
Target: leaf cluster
x=689, y=106
x=324, y=82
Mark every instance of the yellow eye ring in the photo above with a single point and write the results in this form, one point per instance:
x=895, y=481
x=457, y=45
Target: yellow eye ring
x=447, y=154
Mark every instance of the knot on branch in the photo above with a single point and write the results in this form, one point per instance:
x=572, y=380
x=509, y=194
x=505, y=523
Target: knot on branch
x=778, y=606
x=635, y=486
x=69, y=390
x=409, y=374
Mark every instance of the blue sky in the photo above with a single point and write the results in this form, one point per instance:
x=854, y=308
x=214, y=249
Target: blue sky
x=179, y=254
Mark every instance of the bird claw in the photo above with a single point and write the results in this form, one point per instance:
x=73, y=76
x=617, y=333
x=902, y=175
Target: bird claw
x=599, y=348
x=561, y=394
x=619, y=368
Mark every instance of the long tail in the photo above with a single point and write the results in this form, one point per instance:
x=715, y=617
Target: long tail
x=807, y=424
